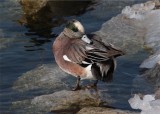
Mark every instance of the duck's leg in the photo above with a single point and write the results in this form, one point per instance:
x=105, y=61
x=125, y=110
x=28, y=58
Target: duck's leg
x=78, y=87
x=95, y=83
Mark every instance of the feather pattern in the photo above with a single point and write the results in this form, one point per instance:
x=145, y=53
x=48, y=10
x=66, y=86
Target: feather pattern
x=77, y=51
x=98, y=54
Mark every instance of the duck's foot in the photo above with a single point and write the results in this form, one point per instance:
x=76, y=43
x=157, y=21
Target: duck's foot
x=77, y=88
x=91, y=86
x=94, y=85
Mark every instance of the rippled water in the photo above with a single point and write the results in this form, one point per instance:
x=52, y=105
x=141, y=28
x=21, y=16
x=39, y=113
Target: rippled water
x=23, y=48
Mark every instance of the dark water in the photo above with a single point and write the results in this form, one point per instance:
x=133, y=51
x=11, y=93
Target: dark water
x=24, y=46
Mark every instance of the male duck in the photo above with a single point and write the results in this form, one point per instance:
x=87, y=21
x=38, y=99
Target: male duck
x=82, y=57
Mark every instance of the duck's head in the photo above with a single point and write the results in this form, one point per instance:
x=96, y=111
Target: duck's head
x=75, y=26
x=77, y=29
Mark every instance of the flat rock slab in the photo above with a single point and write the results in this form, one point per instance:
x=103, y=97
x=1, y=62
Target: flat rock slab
x=62, y=100
x=66, y=100
x=43, y=77
x=99, y=110
x=124, y=33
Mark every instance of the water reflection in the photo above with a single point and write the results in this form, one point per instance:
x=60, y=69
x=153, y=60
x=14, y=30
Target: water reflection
x=41, y=17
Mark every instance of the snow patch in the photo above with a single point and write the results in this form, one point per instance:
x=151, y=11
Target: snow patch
x=148, y=105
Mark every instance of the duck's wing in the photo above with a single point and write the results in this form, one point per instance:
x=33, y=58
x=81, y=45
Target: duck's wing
x=110, y=49
x=76, y=51
x=80, y=52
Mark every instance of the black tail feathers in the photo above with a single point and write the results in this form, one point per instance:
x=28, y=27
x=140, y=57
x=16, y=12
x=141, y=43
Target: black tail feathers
x=103, y=71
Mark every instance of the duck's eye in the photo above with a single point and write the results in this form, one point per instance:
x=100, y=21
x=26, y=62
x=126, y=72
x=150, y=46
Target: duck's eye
x=72, y=27
x=75, y=29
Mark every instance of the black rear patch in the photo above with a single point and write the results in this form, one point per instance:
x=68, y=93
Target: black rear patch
x=95, y=69
x=84, y=65
x=108, y=74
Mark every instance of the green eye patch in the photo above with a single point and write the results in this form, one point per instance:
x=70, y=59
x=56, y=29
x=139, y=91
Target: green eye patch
x=72, y=27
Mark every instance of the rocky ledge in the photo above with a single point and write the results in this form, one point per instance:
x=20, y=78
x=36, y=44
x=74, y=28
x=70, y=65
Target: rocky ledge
x=137, y=28
x=70, y=102
x=100, y=110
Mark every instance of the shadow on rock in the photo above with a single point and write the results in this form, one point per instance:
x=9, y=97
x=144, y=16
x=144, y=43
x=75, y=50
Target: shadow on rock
x=40, y=16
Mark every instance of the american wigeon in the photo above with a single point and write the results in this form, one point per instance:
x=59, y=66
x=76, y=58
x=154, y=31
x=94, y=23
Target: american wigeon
x=83, y=57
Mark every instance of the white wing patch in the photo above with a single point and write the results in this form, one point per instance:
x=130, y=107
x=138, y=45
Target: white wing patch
x=66, y=58
x=84, y=62
x=89, y=48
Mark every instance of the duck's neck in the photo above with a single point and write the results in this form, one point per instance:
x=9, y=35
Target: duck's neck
x=69, y=33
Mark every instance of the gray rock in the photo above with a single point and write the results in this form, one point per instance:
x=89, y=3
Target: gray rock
x=66, y=100
x=42, y=77
x=151, y=61
x=61, y=101
x=100, y=110
x=51, y=77
x=149, y=17
x=152, y=39
x=136, y=29
x=153, y=75
x=125, y=33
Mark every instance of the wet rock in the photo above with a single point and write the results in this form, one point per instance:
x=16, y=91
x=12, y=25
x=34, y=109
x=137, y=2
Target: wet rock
x=58, y=8
x=32, y=6
x=41, y=16
x=125, y=33
x=62, y=101
x=153, y=75
x=37, y=17
x=151, y=23
x=43, y=77
x=151, y=61
x=152, y=39
x=135, y=29
x=66, y=100
x=100, y=110
x=50, y=77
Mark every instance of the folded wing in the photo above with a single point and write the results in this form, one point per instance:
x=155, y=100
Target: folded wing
x=82, y=53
